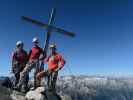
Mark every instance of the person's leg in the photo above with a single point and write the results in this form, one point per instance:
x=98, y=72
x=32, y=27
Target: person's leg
x=24, y=87
x=17, y=76
x=24, y=73
x=41, y=68
x=26, y=81
x=54, y=79
x=36, y=81
x=49, y=79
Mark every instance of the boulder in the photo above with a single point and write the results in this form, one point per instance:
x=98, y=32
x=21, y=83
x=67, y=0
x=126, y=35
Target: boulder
x=35, y=94
x=41, y=94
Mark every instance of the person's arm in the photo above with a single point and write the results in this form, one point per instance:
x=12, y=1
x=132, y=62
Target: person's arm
x=14, y=61
x=26, y=56
x=29, y=54
x=61, y=63
x=13, y=57
x=42, y=54
x=26, y=59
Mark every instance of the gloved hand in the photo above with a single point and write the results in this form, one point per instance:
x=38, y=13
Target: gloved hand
x=60, y=66
x=58, y=69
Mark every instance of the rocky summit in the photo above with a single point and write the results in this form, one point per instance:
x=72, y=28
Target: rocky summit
x=78, y=88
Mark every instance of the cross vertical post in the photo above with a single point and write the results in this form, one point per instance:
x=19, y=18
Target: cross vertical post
x=51, y=21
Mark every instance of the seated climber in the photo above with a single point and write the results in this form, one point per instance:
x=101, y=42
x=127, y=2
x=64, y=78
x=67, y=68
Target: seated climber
x=19, y=60
x=55, y=63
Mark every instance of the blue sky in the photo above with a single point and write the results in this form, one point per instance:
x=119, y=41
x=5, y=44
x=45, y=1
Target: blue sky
x=104, y=33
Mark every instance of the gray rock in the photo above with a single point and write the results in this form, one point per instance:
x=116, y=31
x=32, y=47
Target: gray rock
x=80, y=88
x=17, y=96
x=66, y=97
x=5, y=93
x=36, y=94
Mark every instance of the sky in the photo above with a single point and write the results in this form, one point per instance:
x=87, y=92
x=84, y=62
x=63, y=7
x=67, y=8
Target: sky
x=104, y=33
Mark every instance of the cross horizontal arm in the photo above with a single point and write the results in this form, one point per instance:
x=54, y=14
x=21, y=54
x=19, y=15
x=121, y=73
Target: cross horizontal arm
x=40, y=24
x=62, y=31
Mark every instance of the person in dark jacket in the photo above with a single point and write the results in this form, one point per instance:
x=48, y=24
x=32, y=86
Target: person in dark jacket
x=19, y=60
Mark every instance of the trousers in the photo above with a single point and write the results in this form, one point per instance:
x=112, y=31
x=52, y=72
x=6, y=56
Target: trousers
x=35, y=64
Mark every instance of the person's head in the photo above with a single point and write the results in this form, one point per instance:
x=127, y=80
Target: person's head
x=19, y=45
x=52, y=48
x=35, y=41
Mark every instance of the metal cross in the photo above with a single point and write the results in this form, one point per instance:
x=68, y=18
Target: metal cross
x=50, y=28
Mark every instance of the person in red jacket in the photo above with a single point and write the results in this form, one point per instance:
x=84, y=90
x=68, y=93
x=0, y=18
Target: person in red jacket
x=55, y=63
x=19, y=60
x=35, y=56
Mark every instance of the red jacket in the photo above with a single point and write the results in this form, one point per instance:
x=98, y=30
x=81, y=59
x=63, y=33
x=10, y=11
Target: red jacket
x=35, y=53
x=55, y=61
x=20, y=56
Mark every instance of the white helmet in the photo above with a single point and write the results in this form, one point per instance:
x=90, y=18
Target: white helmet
x=19, y=43
x=35, y=40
